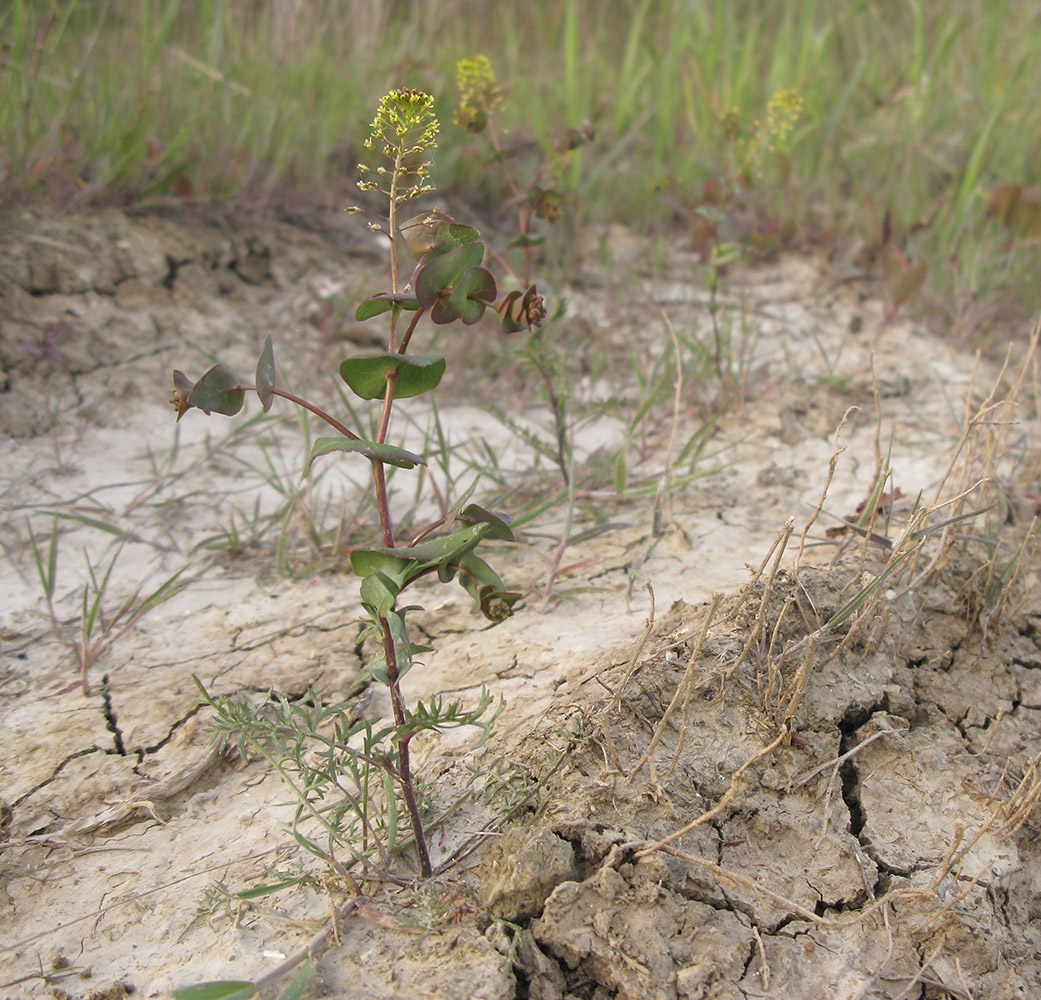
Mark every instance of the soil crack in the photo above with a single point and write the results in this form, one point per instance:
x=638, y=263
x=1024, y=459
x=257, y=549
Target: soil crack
x=110, y=717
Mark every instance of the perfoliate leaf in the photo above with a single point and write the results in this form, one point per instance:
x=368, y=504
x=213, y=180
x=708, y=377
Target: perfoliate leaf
x=522, y=310
x=443, y=312
x=386, y=453
x=374, y=305
x=217, y=392
x=378, y=593
x=435, y=233
x=441, y=273
x=497, y=605
x=510, y=312
x=384, y=564
x=474, y=292
x=497, y=527
x=367, y=375
x=266, y=375
x=482, y=583
x=405, y=563
x=182, y=389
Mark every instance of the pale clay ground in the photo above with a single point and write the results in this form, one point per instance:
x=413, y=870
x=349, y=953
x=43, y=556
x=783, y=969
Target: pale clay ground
x=122, y=813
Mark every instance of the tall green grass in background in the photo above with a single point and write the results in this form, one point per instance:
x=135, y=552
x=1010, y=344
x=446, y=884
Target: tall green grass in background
x=915, y=114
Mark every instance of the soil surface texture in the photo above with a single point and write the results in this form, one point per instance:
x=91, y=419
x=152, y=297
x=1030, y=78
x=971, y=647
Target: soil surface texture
x=754, y=743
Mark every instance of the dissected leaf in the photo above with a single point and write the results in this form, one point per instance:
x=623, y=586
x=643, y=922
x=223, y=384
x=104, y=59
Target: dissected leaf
x=266, y=375
x=386, y=453
x=374, y=305
x=367, y=375
x=218, y=392
x=441, y=273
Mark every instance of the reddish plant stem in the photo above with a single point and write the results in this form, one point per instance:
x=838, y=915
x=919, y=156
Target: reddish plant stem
x=316, y=410
x=411, y=328
x=379, y=482
x=379, y=472
x=404, y=765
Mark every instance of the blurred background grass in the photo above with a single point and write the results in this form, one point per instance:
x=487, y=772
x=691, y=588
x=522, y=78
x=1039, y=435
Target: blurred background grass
x=917, y=144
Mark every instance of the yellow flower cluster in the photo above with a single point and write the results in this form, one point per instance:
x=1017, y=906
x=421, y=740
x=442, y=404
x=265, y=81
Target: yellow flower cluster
x=782, y=112
x=405, y=125
x=479, y=95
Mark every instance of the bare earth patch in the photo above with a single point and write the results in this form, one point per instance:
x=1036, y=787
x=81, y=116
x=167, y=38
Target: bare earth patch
x=728, y=799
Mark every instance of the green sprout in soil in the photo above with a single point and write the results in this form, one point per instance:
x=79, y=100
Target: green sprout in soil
x=447, y=283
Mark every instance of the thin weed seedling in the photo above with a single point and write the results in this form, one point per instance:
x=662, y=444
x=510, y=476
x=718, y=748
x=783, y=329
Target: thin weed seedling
x=98, y=628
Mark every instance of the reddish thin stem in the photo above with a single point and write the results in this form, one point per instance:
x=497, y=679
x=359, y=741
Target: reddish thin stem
x=410, y=330
x=316, y=410
x=404, y=766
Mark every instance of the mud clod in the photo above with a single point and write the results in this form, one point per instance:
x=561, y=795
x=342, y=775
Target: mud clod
x=520, y=870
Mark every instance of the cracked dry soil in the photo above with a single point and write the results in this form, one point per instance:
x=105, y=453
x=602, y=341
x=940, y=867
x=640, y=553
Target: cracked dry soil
x=884, y=847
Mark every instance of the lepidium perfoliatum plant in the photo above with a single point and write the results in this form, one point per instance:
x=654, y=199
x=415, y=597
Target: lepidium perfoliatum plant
x=444, y=280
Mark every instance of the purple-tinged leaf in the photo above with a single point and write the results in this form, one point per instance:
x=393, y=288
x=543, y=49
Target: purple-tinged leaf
x=441, y=273
x=218, y=391
x=474, y=292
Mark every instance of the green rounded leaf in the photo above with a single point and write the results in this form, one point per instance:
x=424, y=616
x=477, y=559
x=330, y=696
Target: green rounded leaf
x=441, y=273
x=474, y=292
x=385, y=453
x=367, y=375
x=374, y=305
x=266, y=375
x=218, y=392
